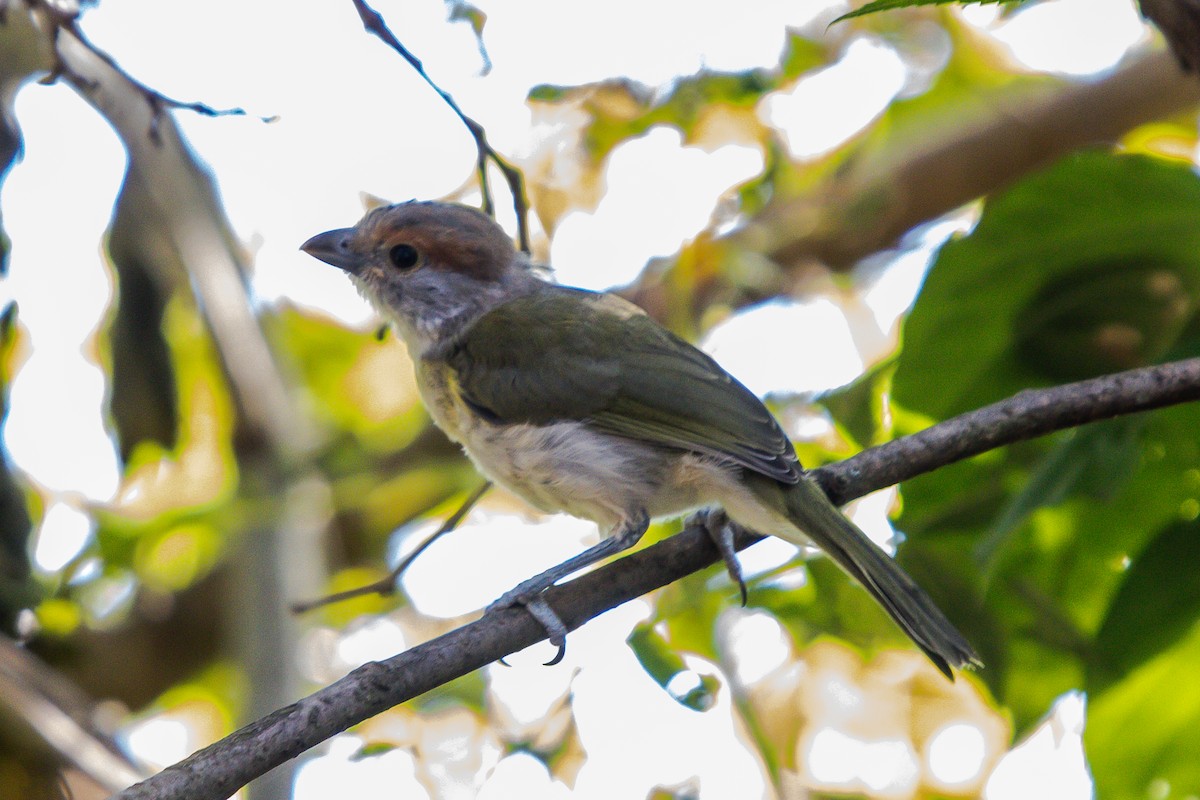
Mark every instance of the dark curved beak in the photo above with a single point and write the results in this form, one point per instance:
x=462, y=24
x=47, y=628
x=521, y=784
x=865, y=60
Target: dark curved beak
x=336, y=248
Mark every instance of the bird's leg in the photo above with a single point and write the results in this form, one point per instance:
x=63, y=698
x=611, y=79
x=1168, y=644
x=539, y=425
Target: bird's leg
x=529, y=593
x=716, y=523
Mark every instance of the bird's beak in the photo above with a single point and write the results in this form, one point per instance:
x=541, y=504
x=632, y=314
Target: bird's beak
x=334, y=247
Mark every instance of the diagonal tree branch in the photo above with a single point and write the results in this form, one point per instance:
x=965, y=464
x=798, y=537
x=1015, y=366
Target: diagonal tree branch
x=869, y=208
x=871, y=201
x=36, y=699
x=281, y=554
x=1025, y=415
x=184, y=195
x=220, y=769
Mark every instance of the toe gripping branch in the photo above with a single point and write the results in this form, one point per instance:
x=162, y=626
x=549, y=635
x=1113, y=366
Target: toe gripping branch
x=721, y=531
x=530, y=593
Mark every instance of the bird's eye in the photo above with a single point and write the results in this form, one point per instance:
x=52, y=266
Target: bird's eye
x=404, y=256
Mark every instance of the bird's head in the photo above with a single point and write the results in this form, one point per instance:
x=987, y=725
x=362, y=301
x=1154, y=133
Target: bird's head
x=432, y=268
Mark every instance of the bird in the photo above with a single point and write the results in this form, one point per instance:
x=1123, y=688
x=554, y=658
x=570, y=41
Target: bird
x=579, y=402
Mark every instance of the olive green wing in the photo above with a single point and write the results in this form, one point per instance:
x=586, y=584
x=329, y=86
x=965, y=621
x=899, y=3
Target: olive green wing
x=575, y=355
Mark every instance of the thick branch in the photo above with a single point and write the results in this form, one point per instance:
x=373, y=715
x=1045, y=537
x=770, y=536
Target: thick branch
x=869, y=209
x=220, y=769
x=281, y=554
x=184, y=196
x=35, y=697
x=873, y=199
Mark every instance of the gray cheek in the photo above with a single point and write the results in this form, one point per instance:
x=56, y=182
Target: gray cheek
x=377, y=291
x=438, y=299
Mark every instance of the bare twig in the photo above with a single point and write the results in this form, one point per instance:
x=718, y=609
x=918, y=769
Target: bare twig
x=62, y=20
x=220, y=769
x=386, y=587
x=184, y=195
x=870, y=208
x=373, y=22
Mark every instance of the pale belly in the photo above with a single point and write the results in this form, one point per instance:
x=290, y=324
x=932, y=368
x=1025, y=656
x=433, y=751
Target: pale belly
x=553, y=468
x=591, y=474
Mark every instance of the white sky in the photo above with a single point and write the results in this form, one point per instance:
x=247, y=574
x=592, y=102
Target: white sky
x=353, y=118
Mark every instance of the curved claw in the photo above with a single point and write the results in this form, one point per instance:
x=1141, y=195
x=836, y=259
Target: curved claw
x=529, y=593
x=540, y=610
x=720, y=530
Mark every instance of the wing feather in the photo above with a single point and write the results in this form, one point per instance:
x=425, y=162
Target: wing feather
x=569, y=354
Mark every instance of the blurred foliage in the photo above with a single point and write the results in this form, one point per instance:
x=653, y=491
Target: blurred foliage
x=1067, y=561
x=664, y=664
x=1064, y=560
x=143, y=397
x=622, y=110
x=18, y=590
x=1068, y=550
x=1103, y=278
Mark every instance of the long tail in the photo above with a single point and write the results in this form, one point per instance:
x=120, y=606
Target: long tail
x=907, y=603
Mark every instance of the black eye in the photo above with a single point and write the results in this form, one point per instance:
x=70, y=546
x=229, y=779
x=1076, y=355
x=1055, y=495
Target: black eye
x=404, y=256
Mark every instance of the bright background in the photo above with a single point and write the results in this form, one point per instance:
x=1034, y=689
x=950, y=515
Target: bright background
x=350, y=118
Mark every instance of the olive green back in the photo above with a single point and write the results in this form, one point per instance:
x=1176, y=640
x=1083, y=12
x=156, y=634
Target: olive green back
x=568, y=354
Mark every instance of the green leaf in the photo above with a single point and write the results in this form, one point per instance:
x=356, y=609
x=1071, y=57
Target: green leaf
x=372, y=749
x=1157, y=605
x=666, y=666
x=1094, y=460
x=466, y=691
x=888, y=5
x=354, y=381
x=1143, y=733
x=861, y=407
x=1090, y=266
x=1052, y=586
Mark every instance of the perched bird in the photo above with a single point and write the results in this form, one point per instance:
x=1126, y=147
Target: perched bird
x=577, y=401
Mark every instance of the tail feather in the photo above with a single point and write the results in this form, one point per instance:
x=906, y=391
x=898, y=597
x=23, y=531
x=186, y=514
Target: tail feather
x=907, y=603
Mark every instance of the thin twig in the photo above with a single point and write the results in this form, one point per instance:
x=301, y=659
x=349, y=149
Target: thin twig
x=222, y=768
x=386, y=586
x=1025, y=415
x=67, y=21
x=373, y=21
